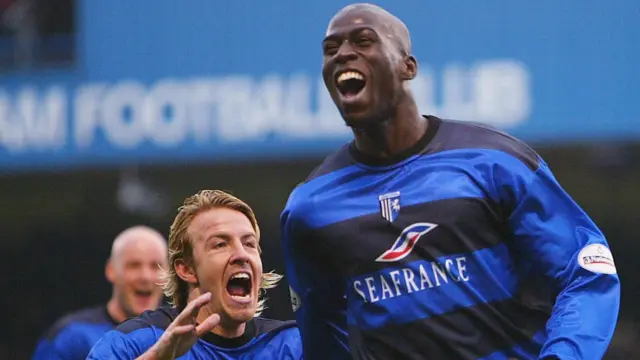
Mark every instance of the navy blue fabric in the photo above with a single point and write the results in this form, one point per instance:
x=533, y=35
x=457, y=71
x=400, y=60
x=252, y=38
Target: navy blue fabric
x=73, y=336
x=497, y=275
x=271, y=339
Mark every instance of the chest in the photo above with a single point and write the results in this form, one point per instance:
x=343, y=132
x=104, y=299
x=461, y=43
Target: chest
x=369, y=220
x=259, y=350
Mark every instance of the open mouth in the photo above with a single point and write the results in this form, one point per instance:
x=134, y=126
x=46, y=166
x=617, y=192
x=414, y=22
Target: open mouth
x=350, y=83
x=144, y=294
x=239, y=286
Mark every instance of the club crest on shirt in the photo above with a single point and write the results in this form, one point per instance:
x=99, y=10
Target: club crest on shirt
x=390, y=206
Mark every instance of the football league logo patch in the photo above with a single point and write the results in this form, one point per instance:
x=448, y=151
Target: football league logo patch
x=295, y=299
x=597, y=258
x=390, y=205
x=406, y=242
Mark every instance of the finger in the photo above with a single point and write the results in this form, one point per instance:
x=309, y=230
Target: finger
x=191, y=310
x=207, y=325
x=183, y=329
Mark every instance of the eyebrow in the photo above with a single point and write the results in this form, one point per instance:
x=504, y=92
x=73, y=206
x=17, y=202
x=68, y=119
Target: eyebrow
x=338, y=36
x=227, y=236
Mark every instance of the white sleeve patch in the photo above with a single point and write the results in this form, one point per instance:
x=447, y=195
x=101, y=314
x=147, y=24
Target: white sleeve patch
x=597, y=258
x=295, y=299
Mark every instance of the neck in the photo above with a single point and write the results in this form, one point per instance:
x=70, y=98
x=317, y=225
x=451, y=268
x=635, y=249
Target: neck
x=226, y=329
x=400, y=131
x=229, y=330
x=115, y=310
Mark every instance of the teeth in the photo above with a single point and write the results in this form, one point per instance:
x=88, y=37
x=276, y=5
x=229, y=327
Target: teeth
x=240, y=276
x=246, y=297
x=349, y=75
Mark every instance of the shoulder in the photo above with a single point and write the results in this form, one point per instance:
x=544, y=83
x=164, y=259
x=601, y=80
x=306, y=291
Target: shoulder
x=160, y=318
x=264, y=325
x=96, y=316
x=335, y=161
x=332, y=168
x=118, y=345
x=283, y=337
x=134, y=336
x=475, y=138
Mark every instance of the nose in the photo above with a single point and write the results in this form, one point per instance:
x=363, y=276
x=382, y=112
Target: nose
x=345, y=53
x=149, y=273
x=240, y=255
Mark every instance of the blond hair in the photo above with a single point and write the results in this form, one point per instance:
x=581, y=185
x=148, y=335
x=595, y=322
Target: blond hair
x=180, y=246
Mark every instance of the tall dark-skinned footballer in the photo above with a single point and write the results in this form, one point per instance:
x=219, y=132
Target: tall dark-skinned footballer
x=426, y=238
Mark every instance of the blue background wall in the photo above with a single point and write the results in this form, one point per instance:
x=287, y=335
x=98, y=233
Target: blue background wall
x=158, y=82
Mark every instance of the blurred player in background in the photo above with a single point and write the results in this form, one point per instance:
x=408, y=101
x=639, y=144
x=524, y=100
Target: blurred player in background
x=137, y=254
x=434, y=239
x=216, y=284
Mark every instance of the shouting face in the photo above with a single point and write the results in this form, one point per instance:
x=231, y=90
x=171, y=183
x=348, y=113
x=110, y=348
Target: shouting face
x=365, y=64
x=226, y=263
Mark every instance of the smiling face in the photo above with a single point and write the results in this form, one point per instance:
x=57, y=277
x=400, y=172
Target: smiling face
x=134, y=270
x=226, y=263
x=365, y=64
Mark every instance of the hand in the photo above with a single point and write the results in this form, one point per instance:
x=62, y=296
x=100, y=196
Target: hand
x=183, y=333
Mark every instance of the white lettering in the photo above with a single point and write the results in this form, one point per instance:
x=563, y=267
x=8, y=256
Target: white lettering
x=496, y=92
x=266, y=105
x=502, y=93
x=234, y=109
x=174, y=112
x=438, y=270
x=328, y=119
x=456, y=97
x=404, y=284
x=296, y=118
x=386, y=289
x=356, y=286
x=12, y=135
x=370, y=286
x=120, y=113
x=86, y=109
x=424, y=278
x=33, y=122
x=448, y=263
x=396, y=281
x=202, y=99
x=165, y=114
x=462, y=268
x=408, y=279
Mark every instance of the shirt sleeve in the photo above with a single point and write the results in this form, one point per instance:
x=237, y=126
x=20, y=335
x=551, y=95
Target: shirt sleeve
x=318, y=300
x=565, y=246
x=46, y=351
x=119, y=346
x=291, y=348
x=68, y=344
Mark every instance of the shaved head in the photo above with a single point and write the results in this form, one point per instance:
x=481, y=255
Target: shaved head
x=134, y=268
x=390, y=26
x=132, y=237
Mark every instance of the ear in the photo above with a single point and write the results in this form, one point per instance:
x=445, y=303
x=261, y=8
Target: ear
x=185, y=272
x=410, y=68
x=110, y=272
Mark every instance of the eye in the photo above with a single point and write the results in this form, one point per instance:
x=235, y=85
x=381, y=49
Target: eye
x=330, y=48
x=219, y=244
x=251, y=243
x=133, y=265
x=363, y=41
